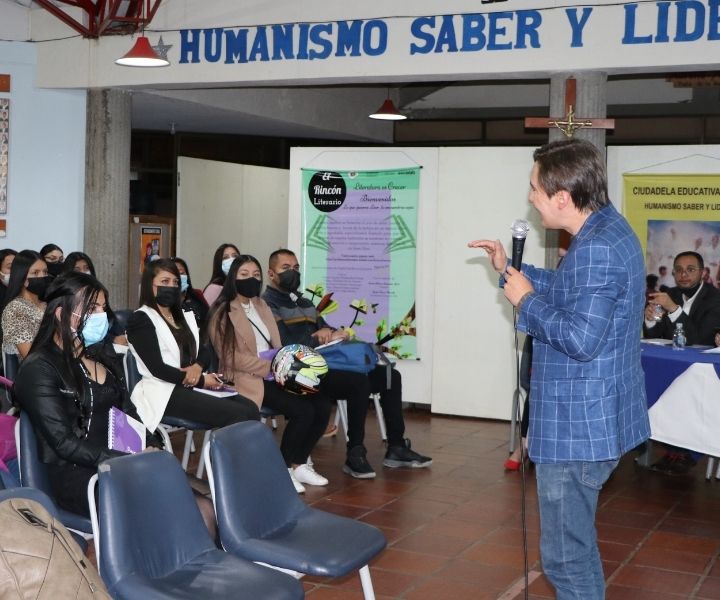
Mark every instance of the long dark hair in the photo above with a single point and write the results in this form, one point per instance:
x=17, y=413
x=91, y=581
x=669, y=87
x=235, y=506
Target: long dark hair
x=219, y=317
x=218, y=277
x=74, y=258
x=147, y=297
x=73, y=293
x=48, y=248
x=19, y=272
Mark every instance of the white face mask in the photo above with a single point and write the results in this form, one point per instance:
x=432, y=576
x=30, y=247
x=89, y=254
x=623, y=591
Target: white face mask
x=5, y=278
x=226, y=263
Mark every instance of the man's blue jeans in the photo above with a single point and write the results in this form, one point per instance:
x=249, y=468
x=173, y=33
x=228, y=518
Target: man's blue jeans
x=567, y=498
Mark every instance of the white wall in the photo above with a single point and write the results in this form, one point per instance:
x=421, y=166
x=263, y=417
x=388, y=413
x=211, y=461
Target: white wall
x=220, y=202
x=46, y=181
x=464, y=324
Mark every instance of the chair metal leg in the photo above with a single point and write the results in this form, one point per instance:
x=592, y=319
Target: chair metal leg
x=710, y=465
x=188, y=447
x=201, y=462
x=380, y=416
x=342, y=411
x=366, y=581
x=163, y=431
x=274, y=423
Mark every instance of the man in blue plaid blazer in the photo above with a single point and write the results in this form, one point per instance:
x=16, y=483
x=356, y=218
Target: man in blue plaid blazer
x=588, y=402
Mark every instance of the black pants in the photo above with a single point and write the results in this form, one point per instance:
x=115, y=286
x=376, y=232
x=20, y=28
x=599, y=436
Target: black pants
x=209, y=410
x=307, y=416
x=356, y=389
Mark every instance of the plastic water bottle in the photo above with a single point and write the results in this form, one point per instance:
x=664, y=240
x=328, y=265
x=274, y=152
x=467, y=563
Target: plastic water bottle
x=679, y=338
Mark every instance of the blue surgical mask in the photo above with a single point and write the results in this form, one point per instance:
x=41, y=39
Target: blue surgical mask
x=183, y=283
x=95, y=328
x=225, y=265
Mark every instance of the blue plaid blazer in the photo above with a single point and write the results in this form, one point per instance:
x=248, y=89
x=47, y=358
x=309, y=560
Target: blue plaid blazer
x=587, y=392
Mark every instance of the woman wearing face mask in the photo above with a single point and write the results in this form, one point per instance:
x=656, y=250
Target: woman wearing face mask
x=52, y=254
x=222, y=259
x=243, y=333
x=25, y=302
x=6, y=260
x=165, y=341
x=79, y=262
x=190, y=298
x=67, y=394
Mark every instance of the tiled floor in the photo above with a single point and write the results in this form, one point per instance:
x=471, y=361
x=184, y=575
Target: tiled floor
x=454, y=530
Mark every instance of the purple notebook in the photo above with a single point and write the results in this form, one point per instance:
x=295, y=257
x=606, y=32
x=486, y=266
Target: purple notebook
x=125, y=433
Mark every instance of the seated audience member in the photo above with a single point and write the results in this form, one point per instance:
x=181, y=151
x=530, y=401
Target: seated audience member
x=165, y=341
x=299, y=322
x=222, y=259
x=52, y=254
x=67, y=394
x=191, y=299
x=665, y=279
x=242, y=328
x=691, y=302
x=6, y=260
x=80, y=263
x=696, y=305
x=25, y=302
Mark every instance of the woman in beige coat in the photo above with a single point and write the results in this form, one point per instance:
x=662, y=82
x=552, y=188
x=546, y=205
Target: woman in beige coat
x=245, y=337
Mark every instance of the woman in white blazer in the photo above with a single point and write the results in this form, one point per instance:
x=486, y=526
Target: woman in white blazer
x=165, y=342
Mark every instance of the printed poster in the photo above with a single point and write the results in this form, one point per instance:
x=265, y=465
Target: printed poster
x=672, y=214
x=359, y=240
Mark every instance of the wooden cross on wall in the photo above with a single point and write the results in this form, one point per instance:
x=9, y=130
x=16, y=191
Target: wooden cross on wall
x=569, y=124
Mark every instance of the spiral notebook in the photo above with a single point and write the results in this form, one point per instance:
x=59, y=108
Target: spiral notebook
x=125, y=434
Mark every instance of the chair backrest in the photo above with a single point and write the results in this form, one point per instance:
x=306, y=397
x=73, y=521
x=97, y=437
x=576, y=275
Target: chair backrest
x=149, y=522
x=33, y=472
x=252, y=491
x=132, y=374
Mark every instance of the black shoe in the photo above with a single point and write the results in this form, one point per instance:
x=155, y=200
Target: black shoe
x=404, y=456
x=357, y=465
x=674, y=463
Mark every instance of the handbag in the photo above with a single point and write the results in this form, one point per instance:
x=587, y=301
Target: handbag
x=349, y=355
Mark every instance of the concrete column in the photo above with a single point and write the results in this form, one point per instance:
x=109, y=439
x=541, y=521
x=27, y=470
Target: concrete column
x=591, y=102
x=107, y=189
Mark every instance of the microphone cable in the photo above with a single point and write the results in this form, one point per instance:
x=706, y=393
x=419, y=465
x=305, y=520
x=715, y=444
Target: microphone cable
x=523, y=471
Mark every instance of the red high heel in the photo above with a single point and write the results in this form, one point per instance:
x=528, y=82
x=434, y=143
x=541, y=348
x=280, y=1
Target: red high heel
x=512, y=465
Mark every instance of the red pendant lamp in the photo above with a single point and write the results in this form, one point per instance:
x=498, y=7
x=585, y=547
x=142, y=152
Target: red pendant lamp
x=142, y=55
x=388, y=112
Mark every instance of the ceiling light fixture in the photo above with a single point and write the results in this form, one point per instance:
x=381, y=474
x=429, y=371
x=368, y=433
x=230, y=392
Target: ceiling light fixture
x=142, y=54
x=388, y=112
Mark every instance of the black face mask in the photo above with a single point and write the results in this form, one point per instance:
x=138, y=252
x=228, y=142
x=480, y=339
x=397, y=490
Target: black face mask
x=250, y=287
x=167, y=296
x=55, y=268
x=289, y=280
x=39, y=285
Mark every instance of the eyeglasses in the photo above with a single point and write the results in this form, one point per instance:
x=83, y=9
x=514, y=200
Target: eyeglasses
x=681, y=271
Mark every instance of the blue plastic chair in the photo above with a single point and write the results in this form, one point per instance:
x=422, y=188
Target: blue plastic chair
x=261, y=518
x=33, y=472
x=133, y=377
x=151, y=541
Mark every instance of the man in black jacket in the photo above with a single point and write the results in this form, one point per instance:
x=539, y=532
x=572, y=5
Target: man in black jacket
x=299, y=323
x=697, y=306
x=691, y=302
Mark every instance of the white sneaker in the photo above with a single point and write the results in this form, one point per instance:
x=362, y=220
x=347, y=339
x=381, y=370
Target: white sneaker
x=306, y=474
x=299, y=487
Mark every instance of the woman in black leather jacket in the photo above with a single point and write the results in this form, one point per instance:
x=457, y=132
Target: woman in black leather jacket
x=67, y=385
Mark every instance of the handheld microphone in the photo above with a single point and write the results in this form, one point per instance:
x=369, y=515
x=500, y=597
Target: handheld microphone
x=520, y=230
